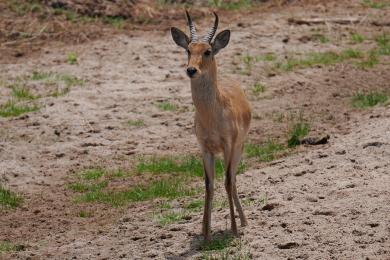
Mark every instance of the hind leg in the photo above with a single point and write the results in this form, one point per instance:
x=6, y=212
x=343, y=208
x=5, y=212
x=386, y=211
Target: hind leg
x=235, y=162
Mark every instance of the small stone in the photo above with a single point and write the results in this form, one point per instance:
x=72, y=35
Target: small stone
x=340, y=152
x=288, y=245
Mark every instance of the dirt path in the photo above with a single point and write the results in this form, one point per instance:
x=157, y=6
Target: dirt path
x=328, y=202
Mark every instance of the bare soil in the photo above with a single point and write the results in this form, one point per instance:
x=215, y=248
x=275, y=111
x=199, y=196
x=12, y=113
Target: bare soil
x=324, y=202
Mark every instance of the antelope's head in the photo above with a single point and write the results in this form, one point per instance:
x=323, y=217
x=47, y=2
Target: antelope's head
x=200, y=52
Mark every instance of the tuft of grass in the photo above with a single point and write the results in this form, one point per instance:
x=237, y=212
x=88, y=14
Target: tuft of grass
x=357, y=38
x=248, y=64
x=92, y=174
x=369, y=61
x=169, y=188
x=60, y=92
x=171, y=217
x=383, y=42
x=190, y=165
x=266, y=152
x=115, y=21
x=266, y=57
x=371, y=99
x=219, y=242
x=22, y=92
x=234, y=251
x=376, y=4
x=195, y=205
x=220, y=204
x=297, y=132
x=84, y=214
x=9, y=199
x=258, y=88
x=40, y=75
x=115, y=174
x=137, y=122
x=72, y=58
x=50, y=78
x=6, y=246
x=11, y=109
x=318, y=58
x=230, y=5
x=70, y=80
x=165, y=205
x=351, y=54
x=166, y=106
x=320, y=38
x=88, y=187
x=22, y=8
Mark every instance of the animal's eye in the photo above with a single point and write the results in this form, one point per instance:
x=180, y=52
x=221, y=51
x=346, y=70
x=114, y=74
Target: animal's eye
x=207, y=53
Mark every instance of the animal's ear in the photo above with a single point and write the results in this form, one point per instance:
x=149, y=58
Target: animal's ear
x=180, y=37
x=221, y=40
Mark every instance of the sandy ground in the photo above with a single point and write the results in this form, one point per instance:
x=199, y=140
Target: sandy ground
x=326, y=202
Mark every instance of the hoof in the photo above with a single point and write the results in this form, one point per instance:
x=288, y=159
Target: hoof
x=244, y=223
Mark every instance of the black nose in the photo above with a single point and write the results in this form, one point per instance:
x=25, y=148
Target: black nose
x=191, y=71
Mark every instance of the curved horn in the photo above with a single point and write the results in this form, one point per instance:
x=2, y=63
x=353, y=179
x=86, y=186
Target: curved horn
x=194, y=37
x=212, y=31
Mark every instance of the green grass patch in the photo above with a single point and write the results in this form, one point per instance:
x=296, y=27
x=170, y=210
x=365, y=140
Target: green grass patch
x=40, y=75
x=9, y=199
x=370, y=60
x=116, y=174
x=318, y=58
x=266, y=152
x=190, y=165
x=24, y=7
x=297, y=132
x=170, y=188
x=84, y=214
x=115, y=21
x=195, y=205
x=70, y=80
x=9, y=247
x=219, y=242
x=22, y=92
x=171, y=217
x=266, y=57
x=166, y=106
x=357, y=38
x=54, y=78
x=88, y=187
x=320, y=38
x=92, y=174
x=377, y=4
x=383, y=42
x=258, y=88
x=165, y=205
x=230, y=5
x=137, y=122
x=371, y=99
x=351, y=54
x=72, y=58
x=248, y=61
x=11, y=109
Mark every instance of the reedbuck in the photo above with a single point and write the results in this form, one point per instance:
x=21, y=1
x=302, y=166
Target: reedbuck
x=222, y=115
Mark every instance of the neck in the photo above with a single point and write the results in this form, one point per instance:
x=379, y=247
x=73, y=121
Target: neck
x=205, y=90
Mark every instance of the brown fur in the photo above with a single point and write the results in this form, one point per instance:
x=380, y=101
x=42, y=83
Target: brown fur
x=222, y=120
